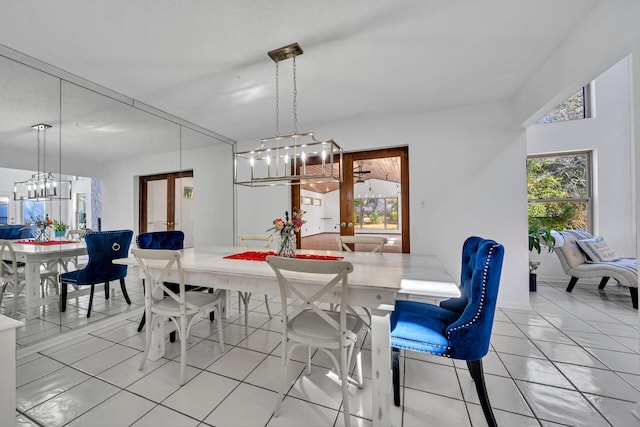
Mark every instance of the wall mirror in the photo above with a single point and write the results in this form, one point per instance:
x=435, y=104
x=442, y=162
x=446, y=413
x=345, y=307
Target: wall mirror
x=92, y=132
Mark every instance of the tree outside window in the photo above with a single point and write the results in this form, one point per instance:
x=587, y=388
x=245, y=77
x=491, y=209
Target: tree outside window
x=559, y=191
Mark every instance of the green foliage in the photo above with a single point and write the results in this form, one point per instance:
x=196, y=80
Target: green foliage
x=539, y=236
x=551, y=180
x=59, y=225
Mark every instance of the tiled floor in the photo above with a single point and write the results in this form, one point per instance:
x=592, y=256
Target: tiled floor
x=572, y=360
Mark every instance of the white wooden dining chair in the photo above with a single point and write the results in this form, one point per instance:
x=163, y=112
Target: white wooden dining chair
x=11, y=275
x=305, y=323
x=183, y=308
x=264, y=240
x=74, y=260
x=345, y=241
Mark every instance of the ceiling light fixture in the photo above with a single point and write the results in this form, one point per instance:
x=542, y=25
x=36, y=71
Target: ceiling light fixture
x=43, y=184
x=283, y=159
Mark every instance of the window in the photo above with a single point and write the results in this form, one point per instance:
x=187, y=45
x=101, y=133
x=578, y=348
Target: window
x=33, y=209
x=376, y=213
x=559, y=190
x=4, y=210
x=575, y=107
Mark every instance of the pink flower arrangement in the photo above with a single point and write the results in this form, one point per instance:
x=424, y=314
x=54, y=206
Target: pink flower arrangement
x=289, y=226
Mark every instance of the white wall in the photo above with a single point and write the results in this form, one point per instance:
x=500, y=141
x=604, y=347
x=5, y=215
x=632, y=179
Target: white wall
x=608, y=134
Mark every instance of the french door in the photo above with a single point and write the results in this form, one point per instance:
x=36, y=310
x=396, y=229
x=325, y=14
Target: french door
x=166, y=203
x=373, y=197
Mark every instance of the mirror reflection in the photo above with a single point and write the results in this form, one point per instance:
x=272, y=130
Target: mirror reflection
x=92, y=135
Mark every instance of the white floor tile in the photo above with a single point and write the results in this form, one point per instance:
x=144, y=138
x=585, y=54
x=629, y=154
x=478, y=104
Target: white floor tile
x=200, y=395
x=162, y=382
x=534, y=370
x=72, y=403
x=560, y=405
x=121, y=410
x=296, y=413
x=47, y=387
x=599, y=381
x=247, y=405
x=431, y=377
x=503, y=394
x=419, y=410
x=165, y=417
x=237, y=363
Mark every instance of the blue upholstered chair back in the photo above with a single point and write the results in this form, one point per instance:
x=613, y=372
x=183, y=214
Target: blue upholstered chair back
x=469, y=336
x=103, y=247
x=172, y=239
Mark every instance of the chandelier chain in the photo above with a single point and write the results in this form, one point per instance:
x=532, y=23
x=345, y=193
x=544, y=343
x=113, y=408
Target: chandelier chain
x=295, y=98
x=277, y=101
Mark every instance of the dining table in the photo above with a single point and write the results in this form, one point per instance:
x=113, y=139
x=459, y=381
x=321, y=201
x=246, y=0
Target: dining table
x=33, y=255
x=376, y=282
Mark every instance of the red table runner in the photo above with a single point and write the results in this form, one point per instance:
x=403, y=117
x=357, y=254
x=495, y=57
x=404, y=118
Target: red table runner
x=262, y=256
x=51, y=242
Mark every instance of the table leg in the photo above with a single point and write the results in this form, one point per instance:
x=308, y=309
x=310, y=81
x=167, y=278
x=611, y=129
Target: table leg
x=381, y=368
x=32, y=289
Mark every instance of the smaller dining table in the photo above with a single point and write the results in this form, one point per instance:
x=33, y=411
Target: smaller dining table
x=33, y=254
x=376, y=282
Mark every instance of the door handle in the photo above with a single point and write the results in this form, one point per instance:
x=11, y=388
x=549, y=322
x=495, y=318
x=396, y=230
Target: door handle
x=350, y=225
x=343, y=225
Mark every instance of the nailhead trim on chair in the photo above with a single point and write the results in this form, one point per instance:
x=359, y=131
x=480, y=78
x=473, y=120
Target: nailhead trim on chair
x=484, y=283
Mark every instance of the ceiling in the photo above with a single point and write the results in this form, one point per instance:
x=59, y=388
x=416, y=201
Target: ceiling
x=206, y=61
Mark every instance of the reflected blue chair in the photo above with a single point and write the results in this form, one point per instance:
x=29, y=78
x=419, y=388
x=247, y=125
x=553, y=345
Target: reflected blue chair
x=459, y=328
x=102, y=247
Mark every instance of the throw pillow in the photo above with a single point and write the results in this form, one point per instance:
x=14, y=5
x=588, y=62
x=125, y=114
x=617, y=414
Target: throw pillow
x=597, y=250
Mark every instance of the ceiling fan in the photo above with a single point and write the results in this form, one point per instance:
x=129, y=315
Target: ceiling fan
x=358, y=172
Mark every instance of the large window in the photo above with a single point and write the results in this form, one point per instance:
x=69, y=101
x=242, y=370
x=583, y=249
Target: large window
x=376, y=213
x=576, y=107
x=559, y=190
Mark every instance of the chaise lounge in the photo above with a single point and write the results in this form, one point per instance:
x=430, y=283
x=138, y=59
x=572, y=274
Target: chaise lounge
x=585, y=256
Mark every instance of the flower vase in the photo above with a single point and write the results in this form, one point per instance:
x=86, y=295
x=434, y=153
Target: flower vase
x=287, y=246
x=41, y=234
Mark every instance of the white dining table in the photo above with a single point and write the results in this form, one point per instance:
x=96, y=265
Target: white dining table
x=33, y=255
x=376, y=282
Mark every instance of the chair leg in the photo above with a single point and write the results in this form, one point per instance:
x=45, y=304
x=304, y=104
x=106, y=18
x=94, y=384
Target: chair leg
x=93, y=287
x=219, y=327
x=63, y=297
x=183, y=348
x=106, y=290
x=147, y=344
x=266, y=302
x=395, y=367
x=344, y=380
x=634, y=297
x=603, y=282
x=572, y=283
x=477, y=373
x=124, y=291
x=142, y=321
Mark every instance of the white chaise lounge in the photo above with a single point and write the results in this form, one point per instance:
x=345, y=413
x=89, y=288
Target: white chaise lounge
x=578, y=265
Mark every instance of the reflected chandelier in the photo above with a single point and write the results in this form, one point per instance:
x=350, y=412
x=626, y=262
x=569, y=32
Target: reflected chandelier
x=288, y=159
x=43, y=184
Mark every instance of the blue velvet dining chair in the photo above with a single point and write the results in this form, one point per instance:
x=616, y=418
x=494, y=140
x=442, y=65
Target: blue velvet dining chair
x=459, y=328
x=102, y=248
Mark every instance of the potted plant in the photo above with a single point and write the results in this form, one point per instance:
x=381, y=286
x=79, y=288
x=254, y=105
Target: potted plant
x=59, y=228
x=539, y=236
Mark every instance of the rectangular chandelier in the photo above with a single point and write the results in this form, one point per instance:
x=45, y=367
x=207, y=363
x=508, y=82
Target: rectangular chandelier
x=289, y=160
x=42, y=185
